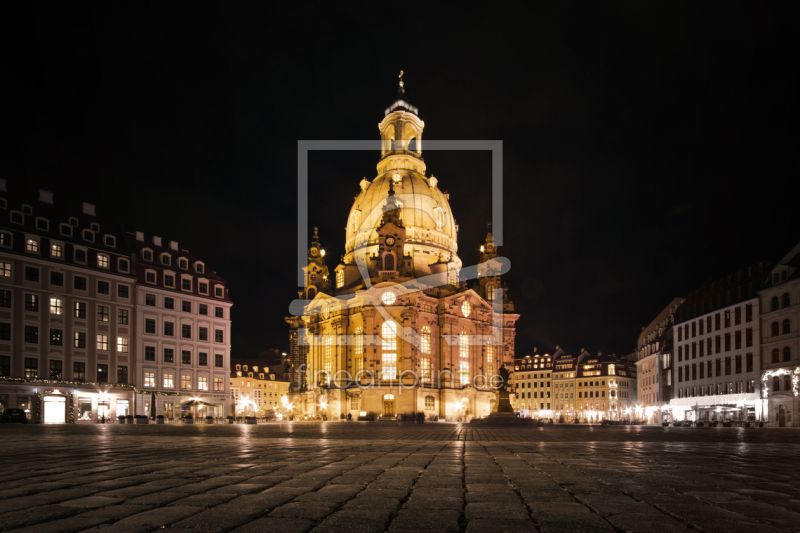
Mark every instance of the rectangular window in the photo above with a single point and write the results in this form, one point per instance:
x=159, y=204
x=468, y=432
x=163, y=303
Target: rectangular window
x=122, y=291
x=186, y=306
x=727, y=366
x=102, y=261
x=122, y=374
x=150, y=299
x=748, y=337
x=56, y=306
x=727, y=342
x=32, y=245
x=80, y=339
x=103, y=287
x=102, y=313
x=5, y=270
x=203, y=309
x=218, y=385
x=169, y=280
x=5, y=334
x=219, y=335
x=122, y=317
x=31, y=368
x=169, y=329
x=680, y=374
x=57, y=279
x=694, y=329
x=186, y=284
x=202, y=359
x=79, y=283
x=150, y=326
x=123, y=265
x=426, y=368
x=102, y=342
x=169, y=355
x=727, y=318
x=56, y=337
x=102, y=373
x=203, y=288
x=32, y=303
x=150, y=277
x=218, y=360
x=56, y=370
x=150, y=379
x=700, y=325
x=702, y=347
x=202, y=383
x=737, y=339
x=218, y=312
x=149, y=353
x=122, y=344
x=169, y=303
x=78, y=371
x=186, y=331
x=737, y=316
x=340, y=279
x=5, y=299
x=718, y=343
x=203, y=334
x=702, y=371
x=718, y=367
x=748, y=313
x=80, y=256
x=680, y=353
x=168, y=381
x=186, y=382
x=694, y=372
x=694, y=351
x=186, y=357
x=710, y=370
x=749, y=361
x=738, y=364
x=31, y=274
x=717, y=320
x=32, y=334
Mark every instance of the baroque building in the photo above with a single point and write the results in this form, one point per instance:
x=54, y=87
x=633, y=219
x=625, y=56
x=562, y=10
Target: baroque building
x=532, y=385
x=397, y=329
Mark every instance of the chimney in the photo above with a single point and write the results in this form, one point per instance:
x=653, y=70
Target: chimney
x=88, y=209
x=173, y=245
x=140, y=236
x=45, y=196
x=156, y=240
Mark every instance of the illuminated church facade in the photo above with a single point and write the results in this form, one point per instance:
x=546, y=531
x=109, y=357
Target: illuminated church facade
x=396, y=328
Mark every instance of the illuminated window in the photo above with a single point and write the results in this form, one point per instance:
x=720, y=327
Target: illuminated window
x=218, y=384
x=56, y=306
x=149, y=379
x=5, y=270
x=489, y=353
x=388, y=298
x=389, y=350
x=463, y=344
x=430, y=403
x=186, y=382
x=32, y=245
x=425, y=340
x=122, y=344
x=466, y=309
x=359, y=350
x=102, y=342
x=426, y=368
x=202, y=383
x=490, y=292
x=56, y=250
x=452, y=277
x=354, y=403
x=340, y=279
x=102, y=261
x=102, y=313
x=328, y=354
x=464, y=373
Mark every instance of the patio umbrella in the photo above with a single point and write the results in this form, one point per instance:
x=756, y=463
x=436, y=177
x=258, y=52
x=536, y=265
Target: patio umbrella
x=152, y=405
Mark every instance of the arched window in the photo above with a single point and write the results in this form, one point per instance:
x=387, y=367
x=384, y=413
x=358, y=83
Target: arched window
x=489, y=353
x=787, y=300
x=775, y=329
x=425, y=340
x=392, y=145
x=490, y=293
x=388, y=262
x=776, y=384
x=311, y=293
x=786, y=327
x=463, y=344
x=466, y=309
x=774, y=304
x=389, y=350
x=452, y=277
x=776, y=356
x=430, y=403
x=787, y=353
x=412, y=144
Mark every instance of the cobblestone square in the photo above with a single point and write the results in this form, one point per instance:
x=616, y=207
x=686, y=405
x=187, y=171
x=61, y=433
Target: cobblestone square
x=362, y=477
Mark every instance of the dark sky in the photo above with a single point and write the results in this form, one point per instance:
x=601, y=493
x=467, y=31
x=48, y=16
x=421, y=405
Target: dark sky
x=648, y=147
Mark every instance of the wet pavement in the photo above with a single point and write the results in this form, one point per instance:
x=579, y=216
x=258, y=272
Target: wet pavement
x=362, y=477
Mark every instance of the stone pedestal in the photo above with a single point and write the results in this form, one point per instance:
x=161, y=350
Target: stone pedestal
x=503, y=414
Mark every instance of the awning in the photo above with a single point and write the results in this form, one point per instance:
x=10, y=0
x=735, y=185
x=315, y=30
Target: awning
x=197, y=403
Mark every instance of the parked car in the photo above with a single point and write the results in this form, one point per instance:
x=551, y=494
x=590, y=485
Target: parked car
x=14, y=415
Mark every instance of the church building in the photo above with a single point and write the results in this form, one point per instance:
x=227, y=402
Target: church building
x=400, y=326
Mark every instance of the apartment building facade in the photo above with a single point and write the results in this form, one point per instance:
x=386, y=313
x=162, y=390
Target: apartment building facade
x=533, y=385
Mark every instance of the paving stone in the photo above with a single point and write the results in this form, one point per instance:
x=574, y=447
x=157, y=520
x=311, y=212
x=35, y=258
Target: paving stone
x=35, y=515
x=500, y=526
x=647, y=523
x=93, y=501
x=307, y=510
x=219, y=519
x=426, y=520
x=282, y=525
x=331, y=494
x=350, y=521
x=417, y=502
x=163, y=516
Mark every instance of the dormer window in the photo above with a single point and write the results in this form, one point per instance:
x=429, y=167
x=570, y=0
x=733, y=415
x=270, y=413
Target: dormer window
x=110, y=241
x=261, y=376
x=199, y=267
x=166, y=259
x=56, y=250
x=102, y=261
x=219, y=292
x=5, y=239
x=66, y=230
x=42, y=224
x=169, y=280
x=88, y=235
x=32, y=246
x=123, y=265
x=95, y=227
x=28, y=210
x=202, y=287
x=186, y=283
x=73, y=222
x=147, y=255
x=182, y=263
x=238, y=367
x=17, y=217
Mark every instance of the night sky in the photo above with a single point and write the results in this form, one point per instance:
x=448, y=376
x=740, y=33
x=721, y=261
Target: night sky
x=648, y=148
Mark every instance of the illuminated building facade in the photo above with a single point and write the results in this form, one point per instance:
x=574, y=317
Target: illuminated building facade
x=717, y=339
x=654, y=366
x=533, y=385
x=256, y=391
x=373, y=338
x=780, y=342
